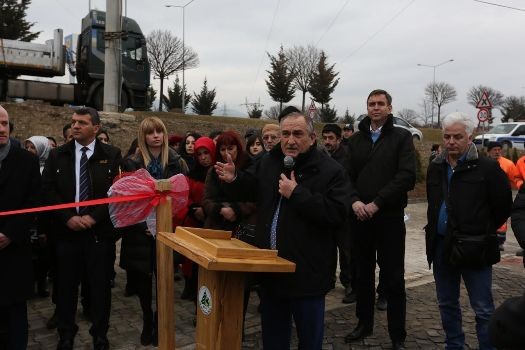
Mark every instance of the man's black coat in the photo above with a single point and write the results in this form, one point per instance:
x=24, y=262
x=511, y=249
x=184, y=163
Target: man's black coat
x=479, y=195
x=307, y=222
x=19, y=188
x=59, y=186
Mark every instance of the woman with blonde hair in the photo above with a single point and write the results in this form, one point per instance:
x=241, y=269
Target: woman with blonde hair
x=138, y=254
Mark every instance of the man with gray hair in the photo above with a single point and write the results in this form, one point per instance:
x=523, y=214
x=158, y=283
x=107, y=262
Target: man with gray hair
x=302, y=200
x=469, y=197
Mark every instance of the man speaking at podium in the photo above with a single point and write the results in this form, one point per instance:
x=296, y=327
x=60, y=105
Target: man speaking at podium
x=302, y=198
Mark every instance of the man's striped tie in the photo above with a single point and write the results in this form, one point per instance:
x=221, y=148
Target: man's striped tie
x=84, y=180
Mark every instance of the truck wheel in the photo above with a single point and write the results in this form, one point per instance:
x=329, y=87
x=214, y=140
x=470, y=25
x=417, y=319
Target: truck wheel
x=98, y=98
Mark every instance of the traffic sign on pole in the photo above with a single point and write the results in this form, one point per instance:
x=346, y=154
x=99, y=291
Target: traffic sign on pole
x=484, y=102
x=483, y=115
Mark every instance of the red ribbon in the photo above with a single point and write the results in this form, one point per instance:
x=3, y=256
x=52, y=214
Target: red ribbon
x=158, y=197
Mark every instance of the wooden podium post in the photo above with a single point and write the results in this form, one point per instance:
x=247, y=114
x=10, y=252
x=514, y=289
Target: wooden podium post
x=165, y=288
x=222, y=260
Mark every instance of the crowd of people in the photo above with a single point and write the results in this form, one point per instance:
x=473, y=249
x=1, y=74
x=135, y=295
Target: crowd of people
x=317, y=202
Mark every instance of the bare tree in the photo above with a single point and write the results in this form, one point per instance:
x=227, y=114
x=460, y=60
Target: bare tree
x=476, y=92
x=426, y=111
x=441, y=93
x=303, y=61
x=410, y=116
x=273, y=112
x=165, y=56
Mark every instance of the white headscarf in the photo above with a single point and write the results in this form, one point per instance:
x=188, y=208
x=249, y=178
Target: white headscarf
x=42, y=148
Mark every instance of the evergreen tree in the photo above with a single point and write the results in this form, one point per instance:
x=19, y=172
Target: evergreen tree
x=203, y=103
x=348, y=118
x=152, y=93
x=280, y=79
x=255, y=112
x=323, y=81
x=13, y=24
x=328, y=114
x=175, y=96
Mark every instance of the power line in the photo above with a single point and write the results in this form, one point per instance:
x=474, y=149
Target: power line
x=332, y=23
x=499, y=5
x=266, y=45
x=379, y=31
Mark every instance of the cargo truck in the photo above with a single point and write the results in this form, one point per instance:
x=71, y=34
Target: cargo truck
x=85, y=61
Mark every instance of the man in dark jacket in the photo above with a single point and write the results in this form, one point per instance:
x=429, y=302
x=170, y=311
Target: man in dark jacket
x=469, y=197
x=383, y=170
x=298, y=213
x=19, y=189
x=347, y=263
x=508, y=321
x=77, y=171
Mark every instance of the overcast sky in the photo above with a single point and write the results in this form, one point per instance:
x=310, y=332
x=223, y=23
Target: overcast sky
x=374, y=44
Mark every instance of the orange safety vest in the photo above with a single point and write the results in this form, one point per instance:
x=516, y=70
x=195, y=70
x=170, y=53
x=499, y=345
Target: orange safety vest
x=515, y=177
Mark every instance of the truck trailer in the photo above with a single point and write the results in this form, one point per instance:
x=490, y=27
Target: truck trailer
x=85, y=61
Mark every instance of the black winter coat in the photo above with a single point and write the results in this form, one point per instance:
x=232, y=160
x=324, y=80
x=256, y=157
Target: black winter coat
x=479, y=195
x=137, y=248
x=307, y=222
x=382, y=172
x=59, y=186
x=19, y=188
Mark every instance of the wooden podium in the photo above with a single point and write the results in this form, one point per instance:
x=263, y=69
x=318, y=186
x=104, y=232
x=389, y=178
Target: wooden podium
x=222, y=261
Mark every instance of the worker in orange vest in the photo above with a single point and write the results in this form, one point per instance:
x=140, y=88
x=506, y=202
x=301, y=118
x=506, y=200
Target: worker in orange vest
x=494, y=150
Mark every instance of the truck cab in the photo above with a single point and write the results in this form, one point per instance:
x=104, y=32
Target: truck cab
x=90, y=62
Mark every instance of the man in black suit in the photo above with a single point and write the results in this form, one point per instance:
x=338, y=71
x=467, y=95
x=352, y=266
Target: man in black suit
x=77, y=171
x=19, y=188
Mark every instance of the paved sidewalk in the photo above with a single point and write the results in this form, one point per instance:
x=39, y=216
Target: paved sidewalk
x=423, y=321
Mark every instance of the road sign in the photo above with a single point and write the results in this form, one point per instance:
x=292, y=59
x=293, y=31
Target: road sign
x=312, y=110
x=483, y=115
x=484, y=102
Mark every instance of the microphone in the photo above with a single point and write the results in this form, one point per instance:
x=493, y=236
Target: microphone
x=288, y=163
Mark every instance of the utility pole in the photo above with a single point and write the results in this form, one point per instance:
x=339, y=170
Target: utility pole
x=183, y=7
x=252, y=106
x=112, y=56
x=434, y=97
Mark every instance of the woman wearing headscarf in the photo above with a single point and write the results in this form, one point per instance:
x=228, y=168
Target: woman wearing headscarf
x=40, y=147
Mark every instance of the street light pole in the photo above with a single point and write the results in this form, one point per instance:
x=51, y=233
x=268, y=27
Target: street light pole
x=183, y=54
x=434, y=82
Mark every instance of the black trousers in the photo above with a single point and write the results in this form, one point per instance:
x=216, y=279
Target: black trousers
x=13, y=326
x=143, y=284
x=74, y=257
x=346, y=258
x=386, y=237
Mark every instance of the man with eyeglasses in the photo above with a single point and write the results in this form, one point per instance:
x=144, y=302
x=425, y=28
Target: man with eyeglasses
x=271, y=135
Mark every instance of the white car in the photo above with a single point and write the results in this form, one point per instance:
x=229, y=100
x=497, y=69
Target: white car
x=511, y=135
x=417, y=135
